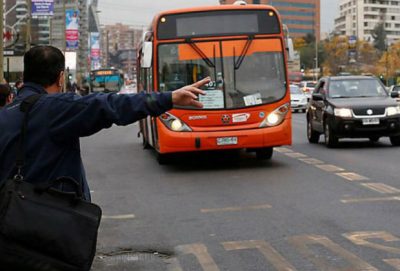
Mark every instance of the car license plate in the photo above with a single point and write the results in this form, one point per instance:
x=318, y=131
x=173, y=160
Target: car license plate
x=374, y=121
x=223, y=141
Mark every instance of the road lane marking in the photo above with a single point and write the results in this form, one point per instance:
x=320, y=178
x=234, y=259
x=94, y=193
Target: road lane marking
x=395, y=263
x=370, y=200
x=237, y=209
x=119, y=217
x=361, y=238
x=283, y=150
x=352, y=176
x=304, y=244
x=330, y=168
x=296, y=155
x=311, y=161
x=381, y=188
x=273, y=256
x=202, y=255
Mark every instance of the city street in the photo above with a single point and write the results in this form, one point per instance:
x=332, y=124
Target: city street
x=309, y=208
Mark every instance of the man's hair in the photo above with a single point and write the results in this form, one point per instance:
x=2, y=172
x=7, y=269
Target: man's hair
x=43, y=65
x=5, y=92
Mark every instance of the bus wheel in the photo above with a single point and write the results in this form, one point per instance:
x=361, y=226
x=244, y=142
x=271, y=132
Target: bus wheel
x=163, y=159
x=264, y=153
x=145, y=144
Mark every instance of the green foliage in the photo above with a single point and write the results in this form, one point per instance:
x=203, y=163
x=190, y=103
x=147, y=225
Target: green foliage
x=379, y=35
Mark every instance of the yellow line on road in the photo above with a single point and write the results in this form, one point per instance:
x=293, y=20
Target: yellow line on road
x=119, y=217
x=351, y=176
x=395, y=263
x=330, y=168
x=381, y=188
x=237, y=209
x=370, y=200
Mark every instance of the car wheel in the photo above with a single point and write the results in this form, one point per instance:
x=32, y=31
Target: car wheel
x=264, y=153
x=395, y=140
x=374, y=139
x=304, y=111
x=331, y=139
x=313, y=136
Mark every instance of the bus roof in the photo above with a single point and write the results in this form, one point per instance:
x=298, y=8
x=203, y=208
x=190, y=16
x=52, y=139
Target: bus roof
x=212, y=8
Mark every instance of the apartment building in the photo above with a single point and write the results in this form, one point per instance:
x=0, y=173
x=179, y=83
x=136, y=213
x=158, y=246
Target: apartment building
x=301, y=16
x=359, y=18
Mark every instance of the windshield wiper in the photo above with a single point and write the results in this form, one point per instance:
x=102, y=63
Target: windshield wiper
x=239, y=62
x=201, y=53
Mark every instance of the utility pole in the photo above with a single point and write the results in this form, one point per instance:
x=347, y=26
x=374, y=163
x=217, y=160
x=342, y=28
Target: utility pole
x=28, y=25
x=1, y=41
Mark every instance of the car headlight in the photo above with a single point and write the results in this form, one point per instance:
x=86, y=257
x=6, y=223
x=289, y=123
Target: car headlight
x=394, y=110
x=276, y=117
x=173, y=123
x=343, y=112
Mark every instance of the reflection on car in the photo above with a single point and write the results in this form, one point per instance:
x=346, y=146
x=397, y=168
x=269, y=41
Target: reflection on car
x=352, y=107
x=298, y=100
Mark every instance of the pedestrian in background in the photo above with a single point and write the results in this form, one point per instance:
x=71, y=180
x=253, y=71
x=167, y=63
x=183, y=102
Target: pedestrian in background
x=58, y=120
x=6, y=95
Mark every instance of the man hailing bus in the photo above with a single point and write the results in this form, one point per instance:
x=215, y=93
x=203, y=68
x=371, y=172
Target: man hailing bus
x=58, y=120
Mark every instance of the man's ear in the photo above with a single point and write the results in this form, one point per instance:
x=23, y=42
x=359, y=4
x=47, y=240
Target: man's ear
x=10, y=98
x=60, y=80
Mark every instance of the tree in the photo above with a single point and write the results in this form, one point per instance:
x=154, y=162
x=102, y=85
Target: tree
x=379, y=36
x=337, y=56
x=309, y=38
x=299, y=43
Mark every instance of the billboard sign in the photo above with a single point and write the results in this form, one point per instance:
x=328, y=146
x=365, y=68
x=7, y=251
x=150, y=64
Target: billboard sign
x=42, y=8
x=95, y=50
x=72, y=29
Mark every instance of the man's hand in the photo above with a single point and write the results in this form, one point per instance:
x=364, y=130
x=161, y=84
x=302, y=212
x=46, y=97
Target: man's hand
x=186, y=96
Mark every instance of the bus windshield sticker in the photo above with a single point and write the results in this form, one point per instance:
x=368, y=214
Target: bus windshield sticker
x=214, y=99
x=253, y=99
x=244, y=117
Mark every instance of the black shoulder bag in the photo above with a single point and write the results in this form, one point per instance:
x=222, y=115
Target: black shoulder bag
x=43, y=229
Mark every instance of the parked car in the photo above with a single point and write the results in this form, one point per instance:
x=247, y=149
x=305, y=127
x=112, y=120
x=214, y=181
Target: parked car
x=298, y=100
x=308, y=87
x=352, y=107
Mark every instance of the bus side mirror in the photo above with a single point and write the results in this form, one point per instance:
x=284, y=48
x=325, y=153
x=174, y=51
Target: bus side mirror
x=147, y=54
x=290, y=49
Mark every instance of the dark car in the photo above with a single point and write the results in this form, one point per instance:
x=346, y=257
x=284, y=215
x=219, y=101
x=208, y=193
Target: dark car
x=352, y=107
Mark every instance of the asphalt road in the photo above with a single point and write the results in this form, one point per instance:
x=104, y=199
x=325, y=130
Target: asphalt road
x=309, y=208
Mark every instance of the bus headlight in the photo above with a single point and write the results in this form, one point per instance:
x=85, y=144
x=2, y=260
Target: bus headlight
x=276, y=117
x=173, y=123
x=392, y=111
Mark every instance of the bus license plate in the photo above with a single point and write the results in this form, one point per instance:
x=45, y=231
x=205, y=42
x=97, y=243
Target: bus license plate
x=374, y=121
x=223, y=141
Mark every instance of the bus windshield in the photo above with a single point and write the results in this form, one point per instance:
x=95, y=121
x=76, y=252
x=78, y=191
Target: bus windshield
x=106, y=81
x=245, y=72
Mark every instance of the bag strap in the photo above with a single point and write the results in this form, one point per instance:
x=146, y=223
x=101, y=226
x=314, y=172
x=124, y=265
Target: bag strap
x=25, y=106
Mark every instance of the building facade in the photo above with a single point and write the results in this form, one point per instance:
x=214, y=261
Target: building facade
x=301, y=16
x=119, y=47
x=359, y=17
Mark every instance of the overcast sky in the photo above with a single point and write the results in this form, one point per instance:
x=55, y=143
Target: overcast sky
x=141, y=12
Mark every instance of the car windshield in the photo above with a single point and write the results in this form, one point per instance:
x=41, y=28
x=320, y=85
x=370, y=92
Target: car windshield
x=244, y=72
x=349, y=88
x=295, y=90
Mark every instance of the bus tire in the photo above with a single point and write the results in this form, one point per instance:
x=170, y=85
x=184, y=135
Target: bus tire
x=264, y=153
x=163, y=159
x=145, y=144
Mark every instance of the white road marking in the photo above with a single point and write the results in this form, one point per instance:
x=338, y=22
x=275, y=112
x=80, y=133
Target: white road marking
x=381, y=188
x=352, y=176
x=311, y=161
x=395, y=263
x=370, y=200
x=330, y=168
x=119, y=217
x=237, y=209
x=283, y=150
x=296, y=155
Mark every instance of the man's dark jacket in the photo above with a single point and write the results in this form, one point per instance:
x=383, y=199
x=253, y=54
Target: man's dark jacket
x=57, y=122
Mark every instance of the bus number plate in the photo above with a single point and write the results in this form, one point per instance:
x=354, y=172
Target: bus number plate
x=374, y=121
x=223, y=141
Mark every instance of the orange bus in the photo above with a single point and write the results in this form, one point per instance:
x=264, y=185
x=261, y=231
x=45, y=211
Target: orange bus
x=243, y=49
